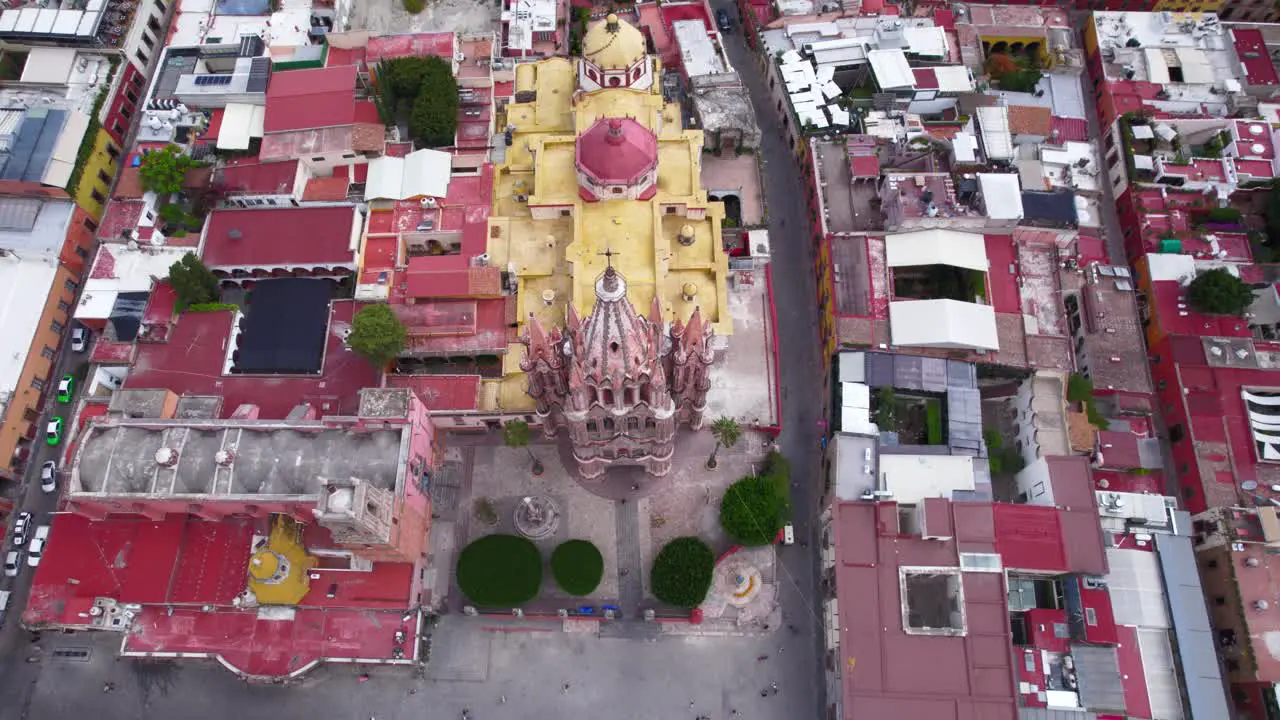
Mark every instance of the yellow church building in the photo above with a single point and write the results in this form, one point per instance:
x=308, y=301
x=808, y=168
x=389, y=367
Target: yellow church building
x=599, y=169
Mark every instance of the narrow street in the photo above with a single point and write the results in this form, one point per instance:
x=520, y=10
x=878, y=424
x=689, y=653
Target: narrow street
x=803, y=406
x=15, y=643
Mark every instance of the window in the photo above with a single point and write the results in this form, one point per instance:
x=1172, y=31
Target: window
x=649, y=424
x=64, y=306
x=82, y=253
x=592, y=427
x=1212, y=564
x=113, y=151
x=608, y=424
x=142, y=57
x=117, y=128
x=615, y=81
x=47, y=353
x=161, y=7
x=147, y=40
x=37, y=383
x=566, y=213
x=30, y=415
x=126, y=112
x=104, y=177
x=317, y=159
x=633, y=424
x=154, y=25
x=1219, y=600
x=608, y=397
x=1176, y=433
x=1162, y=385
x=131, y=95
x=348, y=156
x=136, y=79
x=71, y=285
x=98, y=197
x=57, y=327
x=616, y=191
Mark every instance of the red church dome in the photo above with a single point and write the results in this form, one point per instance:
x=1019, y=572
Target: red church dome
x=617, y=151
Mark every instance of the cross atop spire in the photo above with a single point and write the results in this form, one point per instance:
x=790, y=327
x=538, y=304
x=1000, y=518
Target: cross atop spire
x=608, y=255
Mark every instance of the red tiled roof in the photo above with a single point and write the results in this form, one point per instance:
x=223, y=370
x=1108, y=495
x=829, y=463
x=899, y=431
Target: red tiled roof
x=442, y=392
x=1133, y=678
x=256, y=178
x=307, y=99
x=926, y=78
x=943, y=18
x=1070, y=130
x=888, y=673
x=429, y=278
x=191, y=363
x=456, y=327
x=215, y=125
x=160, y=304
x=1050, y=539
x=1118, y=449
x=330, y=189
x=273, y=237
x=384, y=47
x=1030, y=120
x=119, y=216
x=863, y=166
x=129, y=186
x=1253, y=54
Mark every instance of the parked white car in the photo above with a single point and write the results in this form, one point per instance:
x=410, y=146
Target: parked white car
x=79, y=340
x=11, y=564
x=49, y=476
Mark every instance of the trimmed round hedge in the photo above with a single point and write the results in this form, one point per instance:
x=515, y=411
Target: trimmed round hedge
x=500, y=571
x=682, y=572
x=577, y=566
x=753, y=511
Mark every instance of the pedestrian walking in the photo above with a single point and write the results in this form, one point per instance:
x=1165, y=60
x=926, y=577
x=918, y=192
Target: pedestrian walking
x=565, y=689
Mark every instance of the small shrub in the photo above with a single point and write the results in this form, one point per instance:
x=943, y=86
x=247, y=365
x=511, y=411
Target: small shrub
x=577, y=566
x=413, y=7
x=484, y=512
x=211, y=307
x=500, y=571
x=933, y=422
x=682, y=572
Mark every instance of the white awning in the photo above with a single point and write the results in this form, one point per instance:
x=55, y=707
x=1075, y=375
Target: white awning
x=65, y=149
x=423, y=173
x=1002, y=195
x=891, y=69
x=997, y=141
x=937, y=247
x=1157, y=68
x=943, y=324
x=954, y=79
x=241, y=123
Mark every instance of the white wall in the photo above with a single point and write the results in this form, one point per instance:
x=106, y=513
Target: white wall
x=147, y=10
x=1033, y=481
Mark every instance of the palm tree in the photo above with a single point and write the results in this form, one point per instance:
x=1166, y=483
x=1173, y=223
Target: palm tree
x=727, y=432
x=515, y=433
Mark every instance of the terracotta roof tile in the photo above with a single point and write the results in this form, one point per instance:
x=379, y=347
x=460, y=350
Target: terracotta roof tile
x=1030, y=120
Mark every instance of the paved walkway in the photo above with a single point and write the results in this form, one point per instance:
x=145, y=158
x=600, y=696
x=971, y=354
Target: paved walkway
x=630, y=569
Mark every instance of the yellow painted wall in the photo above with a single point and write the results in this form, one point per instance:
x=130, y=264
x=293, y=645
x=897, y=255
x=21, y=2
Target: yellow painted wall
x=99, y=162
x=1212, y=6
x=1090, y=36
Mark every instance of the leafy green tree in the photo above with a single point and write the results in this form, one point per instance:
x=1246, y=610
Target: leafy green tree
x=682, y=572
x=192, y=282
x=162, y=171
x=413, y=7
x=423, y=92
x=753, y=510
x=503, y=571
x=577, y=566
x=516, y=434
x=727, y=432
x=376, y=334
x=1218, y=292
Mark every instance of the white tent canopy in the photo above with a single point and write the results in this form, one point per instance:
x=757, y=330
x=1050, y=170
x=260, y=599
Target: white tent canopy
x=422, y=173
x=943, y=323
x=241, y=123
x=937, y=247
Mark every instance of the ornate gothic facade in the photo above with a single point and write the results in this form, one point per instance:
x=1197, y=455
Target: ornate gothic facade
x=618, y=382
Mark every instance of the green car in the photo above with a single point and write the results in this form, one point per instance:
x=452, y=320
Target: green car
x=53, y=431
x=65, y=389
